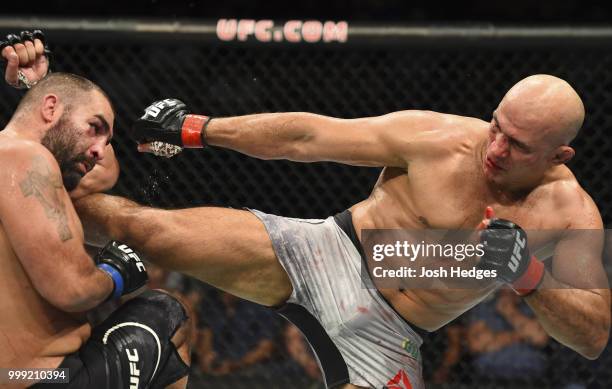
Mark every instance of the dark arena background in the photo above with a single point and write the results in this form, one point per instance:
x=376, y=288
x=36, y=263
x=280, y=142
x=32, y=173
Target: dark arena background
x=225, y=66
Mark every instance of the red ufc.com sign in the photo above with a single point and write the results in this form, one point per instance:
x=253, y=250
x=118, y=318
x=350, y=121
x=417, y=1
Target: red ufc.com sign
x=310, y=31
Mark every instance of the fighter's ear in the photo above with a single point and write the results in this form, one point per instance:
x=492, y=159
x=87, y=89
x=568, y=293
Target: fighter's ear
x=50, y=108
x=563, y=154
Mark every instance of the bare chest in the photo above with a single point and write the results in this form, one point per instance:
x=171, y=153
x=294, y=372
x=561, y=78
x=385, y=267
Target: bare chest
x=451, y=195
x=445, y=195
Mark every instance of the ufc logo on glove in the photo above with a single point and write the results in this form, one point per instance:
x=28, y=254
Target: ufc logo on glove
x=154, y=109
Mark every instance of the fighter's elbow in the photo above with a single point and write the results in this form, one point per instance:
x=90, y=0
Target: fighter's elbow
x=591, y=354
x=596, y=345
x=299, y=150
x=300, y=139
x=599, y=338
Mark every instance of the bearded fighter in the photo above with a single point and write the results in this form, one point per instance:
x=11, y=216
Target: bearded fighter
x=60, y=130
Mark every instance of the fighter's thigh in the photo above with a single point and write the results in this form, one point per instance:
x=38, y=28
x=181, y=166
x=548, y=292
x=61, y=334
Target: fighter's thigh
x=227, y=248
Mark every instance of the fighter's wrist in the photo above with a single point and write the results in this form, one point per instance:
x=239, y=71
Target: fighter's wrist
x=531, y=279
x=117, y=279
x=193, y=131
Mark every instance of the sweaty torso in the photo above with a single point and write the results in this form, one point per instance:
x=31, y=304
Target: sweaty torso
x=33, y=333
x=446, y=189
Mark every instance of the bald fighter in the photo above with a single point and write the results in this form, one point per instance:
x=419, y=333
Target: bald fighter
x=60, y=130
x=440, y=172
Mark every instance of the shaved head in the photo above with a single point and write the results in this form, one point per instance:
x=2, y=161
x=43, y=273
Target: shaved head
x=70, y=88
x=530, y=131
x=545, y=104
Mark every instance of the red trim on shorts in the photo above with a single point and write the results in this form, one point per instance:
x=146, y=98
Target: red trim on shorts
x=400, y=381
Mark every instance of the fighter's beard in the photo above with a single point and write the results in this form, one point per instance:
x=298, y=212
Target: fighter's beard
x=61, y=141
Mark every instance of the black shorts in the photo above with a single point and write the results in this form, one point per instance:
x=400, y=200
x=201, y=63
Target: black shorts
x=131, y=348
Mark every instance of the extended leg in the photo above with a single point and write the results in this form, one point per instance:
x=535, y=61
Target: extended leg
x=227, y=248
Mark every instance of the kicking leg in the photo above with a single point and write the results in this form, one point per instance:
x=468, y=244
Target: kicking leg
x=227, y=248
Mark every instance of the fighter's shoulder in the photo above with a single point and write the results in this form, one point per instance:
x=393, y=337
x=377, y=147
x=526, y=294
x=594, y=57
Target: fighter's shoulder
x=431, y=120
x=573, y=204
x=21, y=154
x=455, y=129
x=440, y=130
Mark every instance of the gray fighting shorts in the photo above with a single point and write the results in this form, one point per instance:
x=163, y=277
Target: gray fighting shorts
x=357, y=336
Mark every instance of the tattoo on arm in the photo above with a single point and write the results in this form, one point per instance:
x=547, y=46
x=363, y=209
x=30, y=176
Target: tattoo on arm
x=46, y=187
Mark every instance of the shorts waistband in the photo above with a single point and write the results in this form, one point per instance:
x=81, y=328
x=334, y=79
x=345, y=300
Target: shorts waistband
x=344, y=220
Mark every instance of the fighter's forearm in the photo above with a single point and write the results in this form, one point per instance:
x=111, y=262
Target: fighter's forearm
x=577, y=318
x=92, y=291
x=265, y=136
x=77, y=288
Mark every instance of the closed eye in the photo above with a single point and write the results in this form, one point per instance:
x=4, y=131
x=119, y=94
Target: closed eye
x=519, y=145
x=102, y=127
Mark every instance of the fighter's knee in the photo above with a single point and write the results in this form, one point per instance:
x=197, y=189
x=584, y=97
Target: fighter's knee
x=177, y=312
x=174, y=301
x=180, y=311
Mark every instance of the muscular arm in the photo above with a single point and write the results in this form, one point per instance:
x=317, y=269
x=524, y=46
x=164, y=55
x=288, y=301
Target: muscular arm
x=573, y=302
x=388, y=140
x=45, y=232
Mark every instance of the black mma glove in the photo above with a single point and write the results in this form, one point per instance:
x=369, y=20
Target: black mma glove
x=506, y=251
x=12, y=39
x=124, y=266
x=169, y=121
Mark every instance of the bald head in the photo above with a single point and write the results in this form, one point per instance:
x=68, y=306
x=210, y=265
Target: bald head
x=546, y=104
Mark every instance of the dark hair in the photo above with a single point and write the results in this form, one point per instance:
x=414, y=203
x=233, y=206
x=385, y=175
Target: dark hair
x=67, y=86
